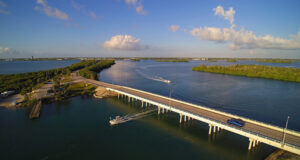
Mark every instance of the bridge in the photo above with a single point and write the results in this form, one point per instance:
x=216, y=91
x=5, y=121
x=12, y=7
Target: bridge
x=257, y=132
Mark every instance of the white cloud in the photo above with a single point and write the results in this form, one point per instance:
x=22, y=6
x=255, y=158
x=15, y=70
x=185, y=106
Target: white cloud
x=140, y=10
x=243, y=39
x=3, y=9
x=123, y=42
x=229, y=14
x=174, y=28
x=139, y=7
x=50, y=11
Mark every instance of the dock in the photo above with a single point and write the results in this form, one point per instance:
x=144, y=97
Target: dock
x=35, y=111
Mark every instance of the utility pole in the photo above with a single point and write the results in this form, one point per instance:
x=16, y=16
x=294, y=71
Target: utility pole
x=284, y=133
x=171, y=90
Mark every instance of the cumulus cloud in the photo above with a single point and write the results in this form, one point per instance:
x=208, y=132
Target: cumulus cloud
x=174, y=28
x=229, y=14
x=123, y=42
x=139, y=7
x=50, y=11
x=3, y=8
x=243, y=39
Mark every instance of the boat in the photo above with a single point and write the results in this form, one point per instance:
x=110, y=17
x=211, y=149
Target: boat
x=167, y=81
x=119, y=119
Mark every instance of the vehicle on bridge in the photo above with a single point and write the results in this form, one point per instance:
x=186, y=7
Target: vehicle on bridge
x=236, y=122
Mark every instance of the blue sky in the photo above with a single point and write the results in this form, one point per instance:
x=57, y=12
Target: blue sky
x=147, y=28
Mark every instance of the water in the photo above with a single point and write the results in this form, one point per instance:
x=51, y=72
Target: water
x=265, y=100
x=79, y=128
x=11, y=67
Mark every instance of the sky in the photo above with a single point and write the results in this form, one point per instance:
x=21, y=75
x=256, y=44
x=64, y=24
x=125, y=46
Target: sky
x=150, y=28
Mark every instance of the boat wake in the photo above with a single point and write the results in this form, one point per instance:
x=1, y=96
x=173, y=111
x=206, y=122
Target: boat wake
x=155, y=78
x=126, y=118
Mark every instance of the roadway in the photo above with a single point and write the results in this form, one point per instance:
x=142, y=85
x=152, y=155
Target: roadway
x=251, y=127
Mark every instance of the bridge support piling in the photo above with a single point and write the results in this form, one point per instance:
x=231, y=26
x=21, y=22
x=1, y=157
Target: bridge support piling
x=142, y=103
x=184, y=118
x=163, y=110
x=158, y=110
x=180, y=118
x=250, y=144
x=209, y=130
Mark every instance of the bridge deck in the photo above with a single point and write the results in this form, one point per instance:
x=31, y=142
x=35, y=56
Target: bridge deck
x=252, y=127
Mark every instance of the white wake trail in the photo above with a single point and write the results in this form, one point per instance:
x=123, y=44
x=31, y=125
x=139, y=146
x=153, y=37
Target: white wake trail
x=155, y=78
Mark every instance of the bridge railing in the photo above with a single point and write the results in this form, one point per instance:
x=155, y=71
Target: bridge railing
x=288, y=131
x=241, y=129
x=210, y=119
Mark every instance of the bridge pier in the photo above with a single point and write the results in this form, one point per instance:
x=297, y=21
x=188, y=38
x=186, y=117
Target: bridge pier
x=158, y=110
x=209, y=130
x=184, y=118
x=163, y=110
x=180, y=118
x=250, y=144
x=142, y=104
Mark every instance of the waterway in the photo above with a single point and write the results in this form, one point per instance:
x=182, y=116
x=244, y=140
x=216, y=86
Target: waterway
x=12, y=67
x=79, y=128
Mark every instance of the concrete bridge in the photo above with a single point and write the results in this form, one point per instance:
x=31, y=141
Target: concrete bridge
x=257, y=132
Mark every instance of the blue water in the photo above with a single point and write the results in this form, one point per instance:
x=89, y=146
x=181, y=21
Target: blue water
x=78, y=128
x=11, y=67
x=266, y=100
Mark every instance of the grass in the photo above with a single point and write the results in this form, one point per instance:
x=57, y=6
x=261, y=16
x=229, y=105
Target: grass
x=80, y=89
x=66, y=79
